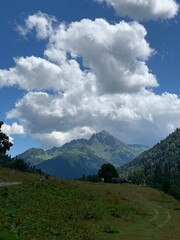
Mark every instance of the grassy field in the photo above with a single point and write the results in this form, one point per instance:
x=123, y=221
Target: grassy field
x=72, y=210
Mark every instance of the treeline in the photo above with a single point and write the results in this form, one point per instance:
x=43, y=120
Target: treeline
x=159, y=167
x=13, y=163
x=18, y=164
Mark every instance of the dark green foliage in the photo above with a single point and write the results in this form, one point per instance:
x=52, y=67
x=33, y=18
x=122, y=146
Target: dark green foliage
x=5, y=160
x=159, y=166
x=107, y=171
x=5, y=144
x=7, y=236
x=174, y=190
x=19, y=164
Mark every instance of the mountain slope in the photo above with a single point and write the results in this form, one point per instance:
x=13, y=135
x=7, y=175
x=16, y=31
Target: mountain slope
x=71, y=166
x=37, y=155
x=159, y=166
x=34, y=155
x=87, y=155
x=113, y=150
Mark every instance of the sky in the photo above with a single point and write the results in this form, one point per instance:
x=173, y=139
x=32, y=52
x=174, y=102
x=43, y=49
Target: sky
x=69, y=69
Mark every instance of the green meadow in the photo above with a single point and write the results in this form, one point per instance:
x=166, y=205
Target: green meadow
x=72, y=210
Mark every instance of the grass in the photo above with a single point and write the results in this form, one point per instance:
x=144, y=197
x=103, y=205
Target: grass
x=60, y=209
x=8, y=236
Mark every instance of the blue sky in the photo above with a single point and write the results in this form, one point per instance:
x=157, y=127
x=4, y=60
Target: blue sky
x=71, y=68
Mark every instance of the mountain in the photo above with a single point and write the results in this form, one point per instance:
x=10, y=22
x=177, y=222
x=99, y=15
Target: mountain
x=113, y=150
x=159, y=166
x=83, y=156
x=72, y=165
x=37, y=155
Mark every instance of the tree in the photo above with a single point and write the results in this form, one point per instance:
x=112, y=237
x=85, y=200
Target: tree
x=107, y=171
x=5, y=144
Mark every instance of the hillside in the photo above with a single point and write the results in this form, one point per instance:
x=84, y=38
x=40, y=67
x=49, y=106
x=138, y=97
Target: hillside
x=63, y=209
x=83, y=156
x=159, y=166
x=37, y=155
x=72, y=165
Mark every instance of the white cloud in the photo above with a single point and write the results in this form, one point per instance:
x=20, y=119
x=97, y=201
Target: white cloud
x=12, y=129
x=144, y=9
x=115, y=54
x=113, y=58
x=33, y=73
x=41, y=22
x=56, y=138
x=143, y=117
x=99, y=76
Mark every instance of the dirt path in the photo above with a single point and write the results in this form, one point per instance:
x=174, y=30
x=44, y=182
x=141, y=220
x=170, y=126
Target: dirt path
x=166, y=220
x=6, y=184
x=156, y=216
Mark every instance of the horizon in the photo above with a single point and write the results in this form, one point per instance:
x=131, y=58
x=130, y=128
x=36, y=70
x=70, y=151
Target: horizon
x=70, y=69
x=76, y=139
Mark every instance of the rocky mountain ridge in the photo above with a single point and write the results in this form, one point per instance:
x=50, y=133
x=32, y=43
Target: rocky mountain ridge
x=87, y=155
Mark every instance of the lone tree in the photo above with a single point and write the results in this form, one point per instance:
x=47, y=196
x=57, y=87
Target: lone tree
x=107, y=171
x=5, y=144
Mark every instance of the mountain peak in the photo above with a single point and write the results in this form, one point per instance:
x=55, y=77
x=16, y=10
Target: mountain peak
x=103, y=137
x=105, y=133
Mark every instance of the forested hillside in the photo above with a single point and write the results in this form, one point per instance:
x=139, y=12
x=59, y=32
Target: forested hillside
x=159, y=167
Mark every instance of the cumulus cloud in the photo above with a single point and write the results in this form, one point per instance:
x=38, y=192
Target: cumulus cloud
x=100, y=79
x=113, y=55
x=116, y=54
x=143, y=117
x=34, y=73
x=57, y=138
x=40, y=21
x=14, y=129
x=144, y=9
